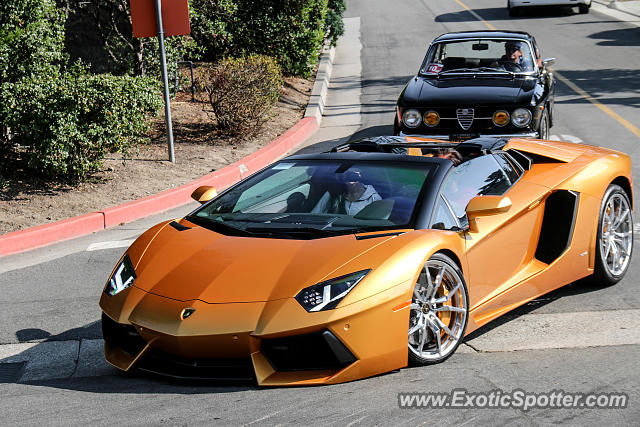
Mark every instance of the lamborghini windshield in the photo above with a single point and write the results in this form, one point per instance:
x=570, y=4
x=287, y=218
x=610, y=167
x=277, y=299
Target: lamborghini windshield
x=318, y=198
x=478, y=56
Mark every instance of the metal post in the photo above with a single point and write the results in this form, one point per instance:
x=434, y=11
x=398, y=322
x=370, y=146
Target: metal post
x=193, y=85
x=165, y=79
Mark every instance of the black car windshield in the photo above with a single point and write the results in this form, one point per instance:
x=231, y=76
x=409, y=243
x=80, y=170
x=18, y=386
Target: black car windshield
x=479, y=55
x=318, y=198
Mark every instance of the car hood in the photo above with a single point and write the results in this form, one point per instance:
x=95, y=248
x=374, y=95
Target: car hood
x=200, y=264
x=457, y=91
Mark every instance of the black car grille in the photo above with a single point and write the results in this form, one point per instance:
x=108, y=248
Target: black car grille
x=315, y=351
x=125, y=337
x=170, y=365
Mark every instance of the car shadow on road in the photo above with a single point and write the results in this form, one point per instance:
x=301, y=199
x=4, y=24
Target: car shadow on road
x=65, y=355
x=620, y=37
x=600, y=84
x=140, y=383
x=582, y=286
x=502, y=14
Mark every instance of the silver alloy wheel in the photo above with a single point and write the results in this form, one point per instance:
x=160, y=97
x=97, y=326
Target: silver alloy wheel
x=438, y=312
x=616, y=239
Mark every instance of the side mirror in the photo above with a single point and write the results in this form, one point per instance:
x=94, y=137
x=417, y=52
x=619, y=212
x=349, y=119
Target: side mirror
x=204, y=194
x=484, y=206
x=546, y=62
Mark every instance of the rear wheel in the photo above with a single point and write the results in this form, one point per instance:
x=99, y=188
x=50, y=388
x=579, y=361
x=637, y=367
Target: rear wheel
x=583, y=8
x=614, y=243
x=439, y=311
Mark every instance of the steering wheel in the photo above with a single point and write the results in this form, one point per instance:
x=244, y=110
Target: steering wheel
x=511, y=66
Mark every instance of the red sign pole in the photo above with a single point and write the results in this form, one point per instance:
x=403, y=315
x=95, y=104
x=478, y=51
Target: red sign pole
x=165, y=80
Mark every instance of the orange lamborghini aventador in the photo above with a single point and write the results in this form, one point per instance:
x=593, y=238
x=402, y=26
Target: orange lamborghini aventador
x=325, y=268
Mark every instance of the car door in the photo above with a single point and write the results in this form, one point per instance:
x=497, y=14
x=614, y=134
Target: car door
x=501, y=252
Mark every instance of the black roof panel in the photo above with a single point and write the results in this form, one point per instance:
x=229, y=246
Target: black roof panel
x=519, y=35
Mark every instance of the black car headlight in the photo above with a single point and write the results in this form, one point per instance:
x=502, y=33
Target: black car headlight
x=411, y=118
x=122, y=278
x=326, y=295
x=521, y=117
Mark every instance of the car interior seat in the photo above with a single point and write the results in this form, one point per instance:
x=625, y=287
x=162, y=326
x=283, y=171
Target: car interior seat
x=453, y=62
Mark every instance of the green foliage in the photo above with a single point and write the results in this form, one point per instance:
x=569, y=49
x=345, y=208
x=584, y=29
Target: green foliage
x=242, y=92
x=31, y=38
x=334, y=25
x=57, y=122
x=63, y=125
x=211, y=21
x=123, y=53
x=291, y=31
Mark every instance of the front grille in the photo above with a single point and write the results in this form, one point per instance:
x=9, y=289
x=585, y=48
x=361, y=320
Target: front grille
x=125, y=337
x=465, y=117
x=315, y=351
x=170, y=365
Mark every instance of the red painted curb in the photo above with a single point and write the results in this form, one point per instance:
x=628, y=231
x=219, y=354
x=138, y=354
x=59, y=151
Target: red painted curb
x=42, y=235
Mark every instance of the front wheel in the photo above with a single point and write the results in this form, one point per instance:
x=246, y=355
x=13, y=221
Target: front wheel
x=614, y=243
x=439, y=311
x=543, y=129
x=583, y=8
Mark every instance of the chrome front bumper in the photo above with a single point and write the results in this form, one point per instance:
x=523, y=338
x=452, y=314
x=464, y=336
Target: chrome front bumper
x=506, y=135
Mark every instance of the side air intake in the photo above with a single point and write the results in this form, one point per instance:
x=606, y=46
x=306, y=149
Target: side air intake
x=557, y=225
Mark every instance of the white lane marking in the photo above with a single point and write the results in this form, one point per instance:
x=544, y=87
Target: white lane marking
x=571, y=138
x=263, y=418
x=356, y=421
x=109, y=245
x=566, y=138
x=563, y=330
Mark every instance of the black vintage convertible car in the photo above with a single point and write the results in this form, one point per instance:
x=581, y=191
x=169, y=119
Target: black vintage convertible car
x=479, y=83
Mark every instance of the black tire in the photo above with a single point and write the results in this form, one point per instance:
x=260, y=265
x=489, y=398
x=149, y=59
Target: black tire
x=602, y=272
x=455, y=322
x=543, y=128
x=583, y=8
x=396, y=127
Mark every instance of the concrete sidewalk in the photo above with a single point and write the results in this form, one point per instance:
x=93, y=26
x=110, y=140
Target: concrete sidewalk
x=629, y=7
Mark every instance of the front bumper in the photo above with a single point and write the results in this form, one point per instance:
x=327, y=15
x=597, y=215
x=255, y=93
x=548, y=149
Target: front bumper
x=276, y=342
x=479, y=135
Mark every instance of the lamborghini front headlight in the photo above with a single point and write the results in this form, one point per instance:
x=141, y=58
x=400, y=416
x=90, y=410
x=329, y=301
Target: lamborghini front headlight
x=122, y=277
x=326, y=295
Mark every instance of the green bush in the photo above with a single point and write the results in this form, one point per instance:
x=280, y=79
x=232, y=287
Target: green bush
x=291, y=31
x=62, y=126
x=211, y=21
x=334, y=26
x=242, y=92
x=31, y=38
x=58, y=121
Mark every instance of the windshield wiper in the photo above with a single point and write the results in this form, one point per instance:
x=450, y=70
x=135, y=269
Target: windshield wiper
x=475, y=70
x=212, y=224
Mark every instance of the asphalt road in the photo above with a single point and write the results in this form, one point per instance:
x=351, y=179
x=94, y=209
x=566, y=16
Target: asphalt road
x=579, y=338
